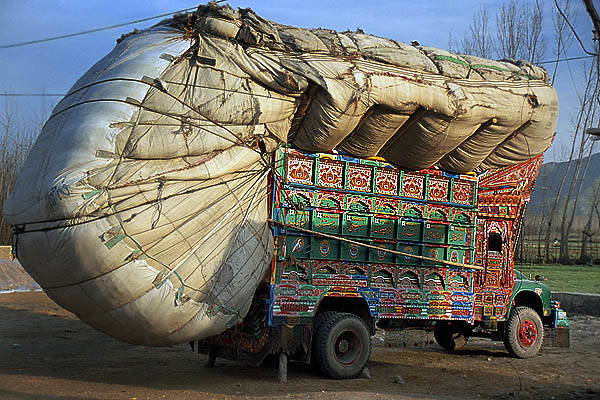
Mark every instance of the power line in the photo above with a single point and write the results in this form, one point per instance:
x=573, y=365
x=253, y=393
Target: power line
x=31, y=95
x=6, y=46
x=565, y=59
x=573, y=30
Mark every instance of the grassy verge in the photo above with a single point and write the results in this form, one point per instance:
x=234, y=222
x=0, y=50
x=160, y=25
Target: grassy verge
x=566, y=278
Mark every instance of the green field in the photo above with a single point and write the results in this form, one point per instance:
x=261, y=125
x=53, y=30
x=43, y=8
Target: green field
x=530, y=250
x=566, y=278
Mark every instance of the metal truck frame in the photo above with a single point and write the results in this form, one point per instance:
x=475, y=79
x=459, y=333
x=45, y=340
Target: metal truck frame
x=360, y=243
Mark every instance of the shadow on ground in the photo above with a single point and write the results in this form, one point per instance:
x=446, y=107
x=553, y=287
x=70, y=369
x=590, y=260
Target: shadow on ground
x=47, y=353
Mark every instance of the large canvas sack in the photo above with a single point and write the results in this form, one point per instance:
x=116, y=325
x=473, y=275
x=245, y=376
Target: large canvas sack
x=142, y=207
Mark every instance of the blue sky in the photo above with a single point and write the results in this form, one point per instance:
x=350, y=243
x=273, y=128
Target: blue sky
x=53, y=67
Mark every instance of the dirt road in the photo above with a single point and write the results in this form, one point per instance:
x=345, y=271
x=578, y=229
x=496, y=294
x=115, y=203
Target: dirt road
x=46, y=353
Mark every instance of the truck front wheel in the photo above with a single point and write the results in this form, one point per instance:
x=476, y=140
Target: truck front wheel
x=524, y=333
x=450, y=336
x=341, y=344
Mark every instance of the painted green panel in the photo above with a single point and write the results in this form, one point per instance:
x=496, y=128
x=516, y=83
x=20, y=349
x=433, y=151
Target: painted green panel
x=326, y=222
x=384, y=228
x=298, y=218
x=382, y=256
x=325, y=249
x=297, y=246
x=461, y=217
x=460, y=254
x=409, y=230
x=329, y=203
x=412, y=213
x=298, y=200
x=438, y=253
x=434, y=233
x=460, y=235
x=358, y=203
x=355, y=224
x=414, y=249
x=354, y=252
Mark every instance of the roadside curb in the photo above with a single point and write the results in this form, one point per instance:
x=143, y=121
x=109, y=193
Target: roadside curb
x=578, y=303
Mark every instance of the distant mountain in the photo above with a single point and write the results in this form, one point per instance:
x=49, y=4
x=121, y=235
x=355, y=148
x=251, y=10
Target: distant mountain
x=549, y=179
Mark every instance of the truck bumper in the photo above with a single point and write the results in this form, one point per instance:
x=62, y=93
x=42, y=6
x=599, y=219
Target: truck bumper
x=556, y=333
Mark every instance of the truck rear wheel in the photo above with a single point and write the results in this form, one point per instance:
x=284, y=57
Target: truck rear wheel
x=450, y=336
x=524, y=333
x=341, y=344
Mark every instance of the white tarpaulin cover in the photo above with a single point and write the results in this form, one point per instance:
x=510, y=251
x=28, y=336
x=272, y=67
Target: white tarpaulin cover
x=142, y=207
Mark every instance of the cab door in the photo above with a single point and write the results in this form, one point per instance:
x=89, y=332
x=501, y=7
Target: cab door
x=494, y=283
x=497, y=251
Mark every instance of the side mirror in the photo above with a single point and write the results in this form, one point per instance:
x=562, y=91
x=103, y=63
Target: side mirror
x=539, y=278
x=594, y=133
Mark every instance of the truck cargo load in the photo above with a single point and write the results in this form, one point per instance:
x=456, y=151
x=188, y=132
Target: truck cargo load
x=143, y=205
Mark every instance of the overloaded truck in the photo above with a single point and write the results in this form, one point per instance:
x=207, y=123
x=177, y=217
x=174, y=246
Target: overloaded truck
x=260, y=188
x=360, y=244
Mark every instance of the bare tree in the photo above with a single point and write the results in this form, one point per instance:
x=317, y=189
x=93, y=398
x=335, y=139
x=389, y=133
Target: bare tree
x=587, y=116
x=519, y=31
x=16, y=140
x=563, y=39
x=554, y=207
x=540, y=220
x=509, y=30
x=535, y=42
x=587, y=232
x=451, y=44
x=562, y=33
x=479, y=42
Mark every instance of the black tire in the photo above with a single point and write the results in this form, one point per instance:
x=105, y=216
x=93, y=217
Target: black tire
x=450, y=336
x=341, y=344
x=524, y=332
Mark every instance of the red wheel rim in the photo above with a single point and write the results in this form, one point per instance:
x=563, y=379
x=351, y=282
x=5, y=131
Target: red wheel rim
x=527, y=333
x=347, y=347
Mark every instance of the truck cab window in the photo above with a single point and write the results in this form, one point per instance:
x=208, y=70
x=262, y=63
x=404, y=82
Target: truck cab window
x=495, y=242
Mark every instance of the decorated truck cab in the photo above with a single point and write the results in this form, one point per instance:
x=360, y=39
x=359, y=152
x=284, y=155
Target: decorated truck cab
x=361, y=244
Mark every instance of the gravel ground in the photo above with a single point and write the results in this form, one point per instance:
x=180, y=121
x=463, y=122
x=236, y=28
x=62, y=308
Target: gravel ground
x=46, y=353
